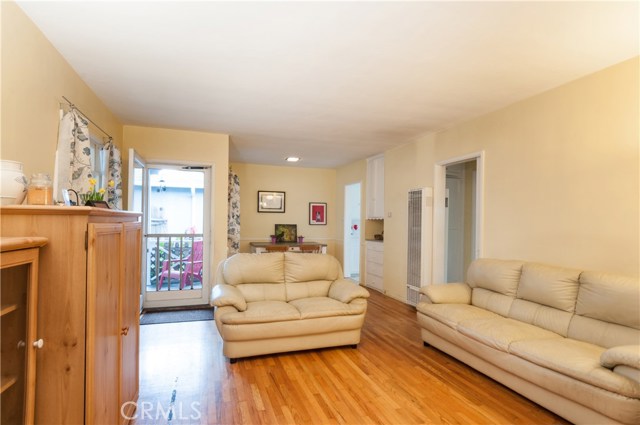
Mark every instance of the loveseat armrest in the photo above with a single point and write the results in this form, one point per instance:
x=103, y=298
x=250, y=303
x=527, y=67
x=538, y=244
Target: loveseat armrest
x=346, y=291
x=623, y=355
x=447, y=293
x=226, y=295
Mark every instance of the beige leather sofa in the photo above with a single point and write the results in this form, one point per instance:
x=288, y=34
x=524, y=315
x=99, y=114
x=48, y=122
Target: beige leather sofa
x=277, y=302
x=566, y=339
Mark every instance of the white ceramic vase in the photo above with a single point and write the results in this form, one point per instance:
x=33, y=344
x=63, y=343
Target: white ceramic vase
x=13, y=183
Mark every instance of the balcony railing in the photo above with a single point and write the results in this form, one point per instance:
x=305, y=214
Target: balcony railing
x=174, y=261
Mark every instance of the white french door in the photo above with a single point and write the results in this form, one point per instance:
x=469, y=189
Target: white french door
x=176, y=202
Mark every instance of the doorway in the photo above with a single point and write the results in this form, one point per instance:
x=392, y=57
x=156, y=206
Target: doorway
x=352, y=228
x=175, y=201
x=458, y=189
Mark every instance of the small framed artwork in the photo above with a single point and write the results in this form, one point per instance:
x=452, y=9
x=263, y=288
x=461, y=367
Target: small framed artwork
x=286, y=232
x=317, y=213
x=272, y=202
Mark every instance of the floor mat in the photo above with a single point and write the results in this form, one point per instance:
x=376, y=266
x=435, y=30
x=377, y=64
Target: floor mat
x=157, y=317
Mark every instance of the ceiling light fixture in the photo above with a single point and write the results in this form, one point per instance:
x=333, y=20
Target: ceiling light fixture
x=292, y=159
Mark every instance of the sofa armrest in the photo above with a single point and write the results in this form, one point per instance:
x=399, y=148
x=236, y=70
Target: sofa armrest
x=226, y=295
x=448, y=293
x=346, y=291
x=624, y=355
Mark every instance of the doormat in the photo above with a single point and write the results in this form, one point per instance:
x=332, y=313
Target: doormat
x=174, y=316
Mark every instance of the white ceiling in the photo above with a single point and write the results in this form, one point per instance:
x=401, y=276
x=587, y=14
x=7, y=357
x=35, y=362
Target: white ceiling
x=331, y=82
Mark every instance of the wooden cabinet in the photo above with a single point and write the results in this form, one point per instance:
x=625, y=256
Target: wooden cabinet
x=375, y=188
x=88, y=310
x=18, y=311
x=373, y=262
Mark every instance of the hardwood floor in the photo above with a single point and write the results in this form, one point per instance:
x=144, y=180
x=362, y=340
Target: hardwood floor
x=389, y=379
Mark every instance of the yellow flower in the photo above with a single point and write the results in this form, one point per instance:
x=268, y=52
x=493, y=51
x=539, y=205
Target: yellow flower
x=92, y=182
x=111, y=183
x=102, y=191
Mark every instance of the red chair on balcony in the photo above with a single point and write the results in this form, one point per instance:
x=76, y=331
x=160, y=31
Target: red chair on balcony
x=173, y=268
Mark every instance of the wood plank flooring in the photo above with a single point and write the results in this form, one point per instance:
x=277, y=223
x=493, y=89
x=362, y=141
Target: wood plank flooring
x=389, y=379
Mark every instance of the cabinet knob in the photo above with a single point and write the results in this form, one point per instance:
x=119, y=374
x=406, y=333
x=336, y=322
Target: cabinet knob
x=39, y=343
x=125, y=331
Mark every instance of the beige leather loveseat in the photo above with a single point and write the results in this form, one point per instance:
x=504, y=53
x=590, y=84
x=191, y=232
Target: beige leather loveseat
x=277, y=302
x=566, y=339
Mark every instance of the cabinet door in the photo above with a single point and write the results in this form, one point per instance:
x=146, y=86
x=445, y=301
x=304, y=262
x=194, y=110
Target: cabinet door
x=104, y=270
x=130, y=318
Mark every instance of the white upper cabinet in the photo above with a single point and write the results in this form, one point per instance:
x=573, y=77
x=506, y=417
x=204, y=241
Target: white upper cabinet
x=375, y=188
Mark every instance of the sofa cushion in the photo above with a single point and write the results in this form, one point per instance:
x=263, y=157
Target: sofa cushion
x=555, y=287
x=500, y=276
x=501, y=332
x=263, y=291
x=315, y=288
x=311, y=308
x=548, y=318
x=577, y=359
x=492, y=301
x=308, y=267
x=254, y=268
x=262, y=312
x=609, y=297
x=452, y=314
x=601, y=333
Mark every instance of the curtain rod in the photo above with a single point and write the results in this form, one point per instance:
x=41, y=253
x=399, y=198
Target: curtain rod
x=85, y=115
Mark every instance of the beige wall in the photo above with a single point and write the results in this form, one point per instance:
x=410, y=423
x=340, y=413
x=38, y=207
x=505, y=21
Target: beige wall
x=167, y=146
x=302, y=185
x=561, y=177
x=34, y=79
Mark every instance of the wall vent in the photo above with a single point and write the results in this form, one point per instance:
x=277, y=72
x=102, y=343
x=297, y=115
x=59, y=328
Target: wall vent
x=419, y=226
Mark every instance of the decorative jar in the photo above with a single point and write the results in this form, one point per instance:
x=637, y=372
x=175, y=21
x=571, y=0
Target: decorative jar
x=13, y=183
x=40, y=190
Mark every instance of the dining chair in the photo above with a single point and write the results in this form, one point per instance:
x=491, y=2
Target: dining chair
x=310, y=249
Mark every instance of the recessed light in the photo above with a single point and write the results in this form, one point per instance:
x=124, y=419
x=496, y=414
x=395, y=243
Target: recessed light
x=292, y=159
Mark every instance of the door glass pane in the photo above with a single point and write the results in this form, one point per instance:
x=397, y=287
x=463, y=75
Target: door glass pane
x=175, y=229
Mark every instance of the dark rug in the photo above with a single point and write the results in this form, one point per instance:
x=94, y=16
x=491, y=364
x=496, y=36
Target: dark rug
x=157, y=317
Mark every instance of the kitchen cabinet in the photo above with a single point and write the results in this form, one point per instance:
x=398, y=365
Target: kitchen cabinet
x=87, y=312
x=373, y=265
x=18, y=311
x=375, y=188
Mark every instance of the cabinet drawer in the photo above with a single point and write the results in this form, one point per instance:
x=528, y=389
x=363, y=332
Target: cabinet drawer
x=375, y=246
x=374, y=282
x=375, y=257
x=375, y=269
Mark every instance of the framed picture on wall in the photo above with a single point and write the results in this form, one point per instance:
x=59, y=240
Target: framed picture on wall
x=272, y=202
x=317, y=213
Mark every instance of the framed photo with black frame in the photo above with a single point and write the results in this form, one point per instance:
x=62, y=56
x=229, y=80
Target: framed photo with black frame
x=271, y=201
x=318, y=213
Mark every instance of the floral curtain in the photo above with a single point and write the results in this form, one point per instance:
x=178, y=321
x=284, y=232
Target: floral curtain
x=114, y=192
x=233, y=232
x=73, y=167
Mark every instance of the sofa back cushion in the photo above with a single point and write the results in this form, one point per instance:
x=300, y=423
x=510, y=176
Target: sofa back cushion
x=499, y=276
x=548, y=318
x=492, y=301
x=310, y=267
x=254, y=268
x=601, y=333
x=555, y=287
x=610, y=298
x=311, y=289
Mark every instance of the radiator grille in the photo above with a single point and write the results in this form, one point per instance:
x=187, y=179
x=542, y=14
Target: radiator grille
x=419, y=238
